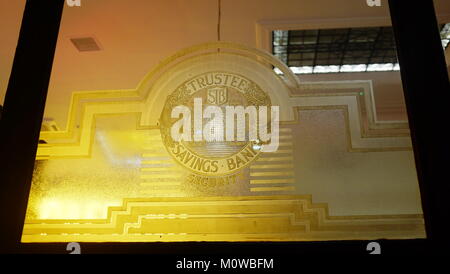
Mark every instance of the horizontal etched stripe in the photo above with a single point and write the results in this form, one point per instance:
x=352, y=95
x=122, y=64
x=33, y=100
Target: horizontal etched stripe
x=275, y=159
x=279, y=166
x=271, y=181
x=273, y=188
x=272, y=173
x=285, y=129
x=282, y=151
x=285, y=137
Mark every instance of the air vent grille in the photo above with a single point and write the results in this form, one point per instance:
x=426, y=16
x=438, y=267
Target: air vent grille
x=85, y=44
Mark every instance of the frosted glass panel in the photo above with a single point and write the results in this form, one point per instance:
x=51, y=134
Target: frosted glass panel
x=109, y=166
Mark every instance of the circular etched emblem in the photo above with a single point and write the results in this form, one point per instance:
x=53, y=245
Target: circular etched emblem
x=208, y=123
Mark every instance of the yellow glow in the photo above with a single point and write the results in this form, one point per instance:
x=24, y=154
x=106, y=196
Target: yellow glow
x=73, y=209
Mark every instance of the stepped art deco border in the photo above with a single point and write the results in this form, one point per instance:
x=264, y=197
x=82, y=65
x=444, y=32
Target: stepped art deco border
x=278, y=218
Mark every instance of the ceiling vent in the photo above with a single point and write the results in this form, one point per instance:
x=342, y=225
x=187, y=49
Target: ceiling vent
x=85, y=44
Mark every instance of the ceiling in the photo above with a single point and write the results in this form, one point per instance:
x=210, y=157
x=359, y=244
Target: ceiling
x=134, y=35
x=336, y=47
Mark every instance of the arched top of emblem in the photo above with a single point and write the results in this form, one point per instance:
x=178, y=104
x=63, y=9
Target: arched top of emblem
x=220, y=47
x=254, y=64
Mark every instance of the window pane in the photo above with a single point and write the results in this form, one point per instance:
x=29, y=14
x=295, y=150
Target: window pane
x=109, y=168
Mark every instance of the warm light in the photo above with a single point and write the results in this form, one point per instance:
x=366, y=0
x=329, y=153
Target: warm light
x=80, y=209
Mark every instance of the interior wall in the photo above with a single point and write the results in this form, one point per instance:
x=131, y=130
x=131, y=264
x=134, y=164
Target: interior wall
x=11, y=18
